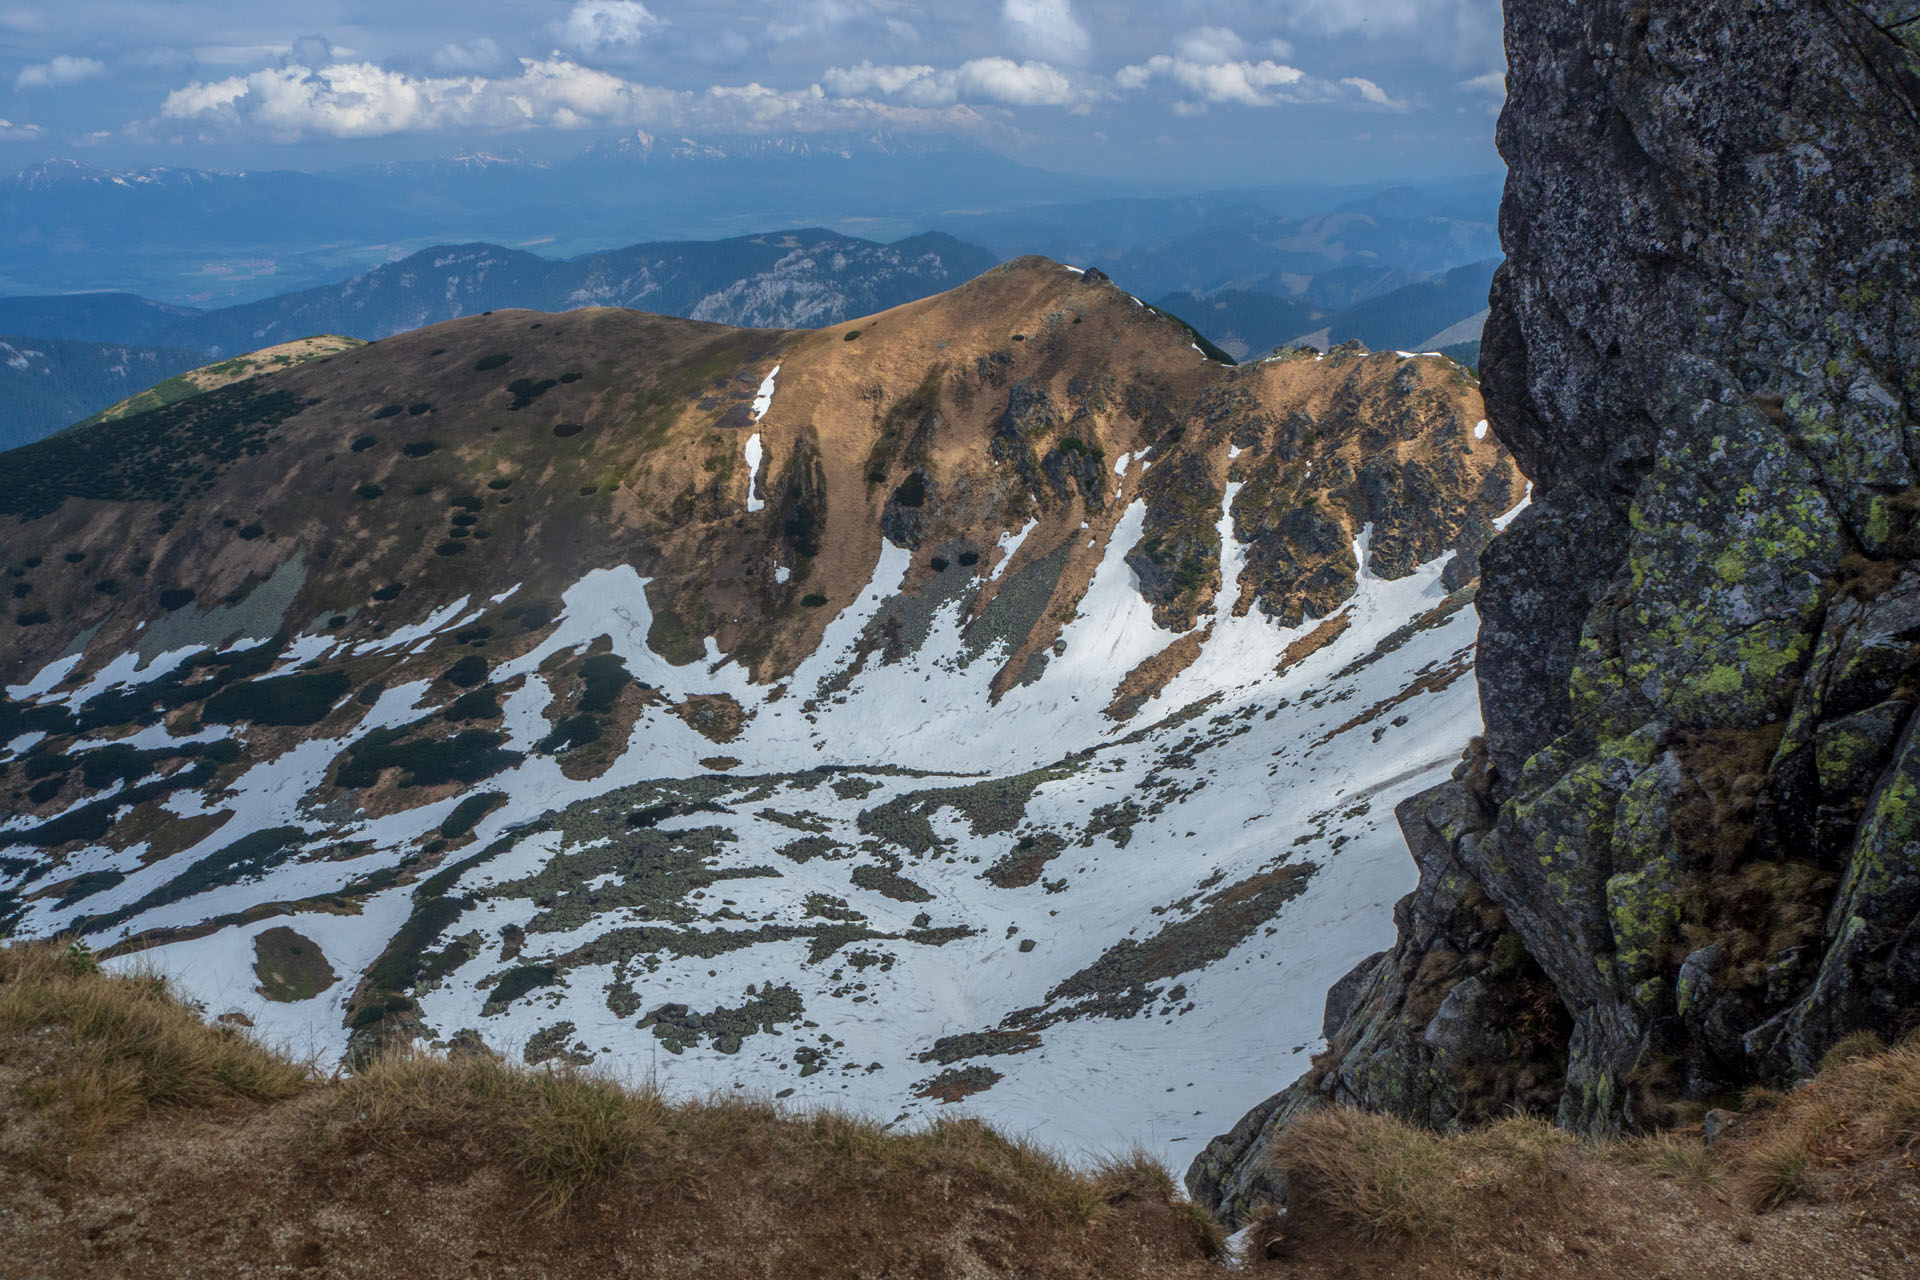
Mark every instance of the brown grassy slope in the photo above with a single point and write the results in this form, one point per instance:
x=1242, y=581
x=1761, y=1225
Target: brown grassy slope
x=137, y=1141
x=190, y=1152
x=1819, y=1182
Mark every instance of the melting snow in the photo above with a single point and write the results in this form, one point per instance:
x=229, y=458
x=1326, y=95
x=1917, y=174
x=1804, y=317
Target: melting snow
x=764, y=400
x=753, y=471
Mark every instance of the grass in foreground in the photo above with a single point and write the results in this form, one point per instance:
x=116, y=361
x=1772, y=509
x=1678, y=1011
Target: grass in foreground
x=557, y=1166
x=99, y=1053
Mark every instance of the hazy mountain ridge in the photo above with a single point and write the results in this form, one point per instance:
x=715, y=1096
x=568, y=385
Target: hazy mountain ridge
x=45, y=384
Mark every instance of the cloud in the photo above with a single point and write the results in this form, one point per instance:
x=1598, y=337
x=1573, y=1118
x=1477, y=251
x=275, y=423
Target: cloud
x=1210, y=44
x=364, y=100
x=1494, y=83
x=11, y=132
x=311, y=51
x=63, y=70
x=1457, y=31
x=1047, y=28
x=476, y=57
x=814, y=18
x=1373, y=93
x=606, y=30
x=999, y=80
x=15, y=19
x=1253, y=84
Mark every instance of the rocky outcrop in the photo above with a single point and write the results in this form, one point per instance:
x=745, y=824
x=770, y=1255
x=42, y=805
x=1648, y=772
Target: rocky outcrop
x=1693, y=806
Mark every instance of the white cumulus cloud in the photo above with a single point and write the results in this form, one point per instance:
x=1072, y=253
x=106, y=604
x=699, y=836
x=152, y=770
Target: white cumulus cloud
x=63, y=70
x=1494, y=83
x=1253, y=84
x=997, y=80
x=11, y=132
x=1047, y=28
x=607, y=29
x=364, y=100
x=1373, y=93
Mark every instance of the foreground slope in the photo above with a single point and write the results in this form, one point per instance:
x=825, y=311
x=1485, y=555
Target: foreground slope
x=141, y=1141
x=983, y=703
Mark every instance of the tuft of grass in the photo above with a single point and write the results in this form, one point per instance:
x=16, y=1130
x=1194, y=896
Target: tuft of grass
x=100, y=1051
x=1382, y=1178
x=1836, y=1130
x=1675, y=1156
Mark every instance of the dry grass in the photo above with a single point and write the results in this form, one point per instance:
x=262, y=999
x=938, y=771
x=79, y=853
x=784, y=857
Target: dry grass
x=555, y=1164
x=101, y=1051
x=1838, y=1131
x=1676, y=1156
x=1382, y=1178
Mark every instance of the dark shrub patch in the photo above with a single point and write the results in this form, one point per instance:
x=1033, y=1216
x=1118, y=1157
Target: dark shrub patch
x=251, y=855
x=467, y=814
x=850, y=335
x=464, y=521
x=87, y=885
x=473, y=635
x=468, y=672
x=337, y=621
x=425, y=762
x=939, y=564
x=487, y=364
x=75, y=557
x=176, y=598
x=525, y=391
x=391, y=411
x=461, y=533
x=813, y=600
x=604, y=676
x=279, y=700
x=536, y=615
x=107, y=587
x=450, y=548
x=969, y=558
x=419, y=448
x=571, y=376
x=517, y=982
x=389, y=592
x=364, y=443
x=249, y=532
x=46, y=789
x=21, y=590
x=477, y=704
x=574, y=731
x=32, y=562
x=419, y=410
x=912, y=491
x=467, y=502
x=368, y=491
x=568, y=429
x=499, y=483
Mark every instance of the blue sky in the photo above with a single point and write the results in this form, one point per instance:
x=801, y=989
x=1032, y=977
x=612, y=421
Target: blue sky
x=1198, y=92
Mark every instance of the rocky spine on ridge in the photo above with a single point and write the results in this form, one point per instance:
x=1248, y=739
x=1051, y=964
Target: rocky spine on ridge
x=1685, y=856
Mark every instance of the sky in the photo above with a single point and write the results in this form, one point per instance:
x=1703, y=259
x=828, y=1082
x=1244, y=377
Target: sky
x=1217, y=93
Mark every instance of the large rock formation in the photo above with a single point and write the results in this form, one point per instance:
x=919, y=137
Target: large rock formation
x=1693, y=811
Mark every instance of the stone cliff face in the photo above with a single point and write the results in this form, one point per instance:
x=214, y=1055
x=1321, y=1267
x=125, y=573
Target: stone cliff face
x=1687, y=854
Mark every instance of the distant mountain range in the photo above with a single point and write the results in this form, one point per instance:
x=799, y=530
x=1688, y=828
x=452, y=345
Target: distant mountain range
x=193, y=236
x=1428, y=315
x=114, y=345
